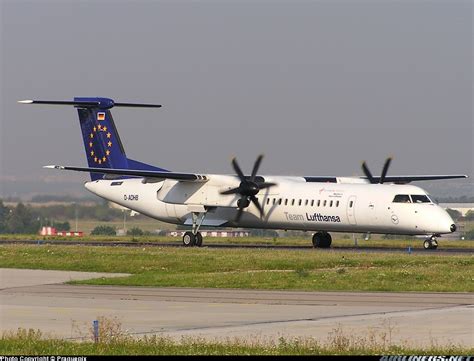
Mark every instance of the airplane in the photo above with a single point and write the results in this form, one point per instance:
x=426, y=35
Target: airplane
x=321, y=204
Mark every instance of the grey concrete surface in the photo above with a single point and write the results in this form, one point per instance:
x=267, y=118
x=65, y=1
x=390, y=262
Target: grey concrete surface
x=412, y=318
x=10, y=277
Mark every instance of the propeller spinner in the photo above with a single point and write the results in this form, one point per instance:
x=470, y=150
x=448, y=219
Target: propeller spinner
x=248, y=188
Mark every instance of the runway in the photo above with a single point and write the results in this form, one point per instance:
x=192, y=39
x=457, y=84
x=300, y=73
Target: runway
x=334, y=248
x=67, y=311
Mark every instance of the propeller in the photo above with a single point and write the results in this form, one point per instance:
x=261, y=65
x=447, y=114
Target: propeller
x=369, y=175
x=248, y=188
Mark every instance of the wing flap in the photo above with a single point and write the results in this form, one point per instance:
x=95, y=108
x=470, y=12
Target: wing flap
x=207, y=222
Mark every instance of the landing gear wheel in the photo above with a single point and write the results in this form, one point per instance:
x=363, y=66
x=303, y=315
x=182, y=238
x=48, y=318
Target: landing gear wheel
x=327, y=240
x=198, y=240
x=430, y=244
x=317, y=238
x=189, y=239
x=322, y=240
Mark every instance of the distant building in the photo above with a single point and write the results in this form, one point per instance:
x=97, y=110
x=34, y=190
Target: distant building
x=51, y=231
x=463, y=208
x=213, y=233
x=48, y=231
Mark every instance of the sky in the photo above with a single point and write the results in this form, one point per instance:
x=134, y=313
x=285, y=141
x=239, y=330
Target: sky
x=316, y=86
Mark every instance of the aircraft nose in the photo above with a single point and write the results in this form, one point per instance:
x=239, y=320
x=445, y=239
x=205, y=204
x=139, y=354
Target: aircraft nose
x=444, y=222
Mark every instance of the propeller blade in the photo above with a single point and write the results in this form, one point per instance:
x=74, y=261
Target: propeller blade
x=367, y=173
x=238, y=170
x=255, y=167
x=231, y=191
x=385, y=169
x=266, y=185
x=239, y=214
x=257, y=204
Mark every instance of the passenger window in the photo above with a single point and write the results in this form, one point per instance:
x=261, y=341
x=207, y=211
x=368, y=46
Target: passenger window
x=312, y=202
x=306, y=203
x=337, y=204
x=274, y=201
x=324, y=204
x=286, y=201
x=402, y=198
x=330, y=204
x=420, y=198
x=319, y=202
x=279, y=201
x=292, y=202
x=350, y=204
x=268, y=200
x=299, y=202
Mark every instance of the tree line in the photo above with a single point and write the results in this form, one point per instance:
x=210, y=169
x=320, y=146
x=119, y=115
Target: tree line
x=28, y=220
x=19, y=219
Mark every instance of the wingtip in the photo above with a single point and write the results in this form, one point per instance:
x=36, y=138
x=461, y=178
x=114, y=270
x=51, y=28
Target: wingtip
x=27, y=101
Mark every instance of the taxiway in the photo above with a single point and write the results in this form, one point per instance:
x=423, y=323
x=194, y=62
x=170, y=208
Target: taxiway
x=32, y=299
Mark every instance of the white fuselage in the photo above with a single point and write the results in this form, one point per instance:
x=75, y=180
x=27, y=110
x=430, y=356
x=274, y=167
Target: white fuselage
x=292, y=204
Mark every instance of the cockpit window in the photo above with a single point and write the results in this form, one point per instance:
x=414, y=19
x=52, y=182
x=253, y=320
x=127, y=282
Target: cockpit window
x=402, y=198
x=420, y=198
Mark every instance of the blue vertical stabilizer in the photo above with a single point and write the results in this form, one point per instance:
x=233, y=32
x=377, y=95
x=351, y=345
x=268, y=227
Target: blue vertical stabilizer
x=102, y=143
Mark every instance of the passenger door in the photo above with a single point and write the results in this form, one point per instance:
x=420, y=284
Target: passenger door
x=351, y=202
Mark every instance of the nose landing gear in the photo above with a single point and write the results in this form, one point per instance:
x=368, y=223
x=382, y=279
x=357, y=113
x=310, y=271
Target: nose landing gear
x=430, y=243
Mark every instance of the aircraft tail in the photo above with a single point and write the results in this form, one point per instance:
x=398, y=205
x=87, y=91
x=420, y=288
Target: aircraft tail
x=102, y=143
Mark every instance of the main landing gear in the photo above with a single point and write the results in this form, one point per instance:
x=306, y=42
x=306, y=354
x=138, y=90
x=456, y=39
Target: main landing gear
x=322, y=240
x=190, y=239
x=430, y=243
x=194, y=238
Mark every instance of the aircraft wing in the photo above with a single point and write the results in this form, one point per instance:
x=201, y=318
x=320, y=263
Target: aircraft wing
x=186, y=177
x=415, y=178
x=399, y=179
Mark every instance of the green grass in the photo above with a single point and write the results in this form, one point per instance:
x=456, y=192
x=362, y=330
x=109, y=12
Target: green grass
x=279, y=241
x=30, y=342
x=144, y=223
x=253, y=268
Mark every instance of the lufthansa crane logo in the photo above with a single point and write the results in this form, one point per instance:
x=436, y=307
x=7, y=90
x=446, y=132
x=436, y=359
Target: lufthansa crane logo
x=394, y=219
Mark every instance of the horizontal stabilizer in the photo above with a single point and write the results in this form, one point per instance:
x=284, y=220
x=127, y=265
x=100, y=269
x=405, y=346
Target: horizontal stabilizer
x=189, y=177
x=101, y=103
